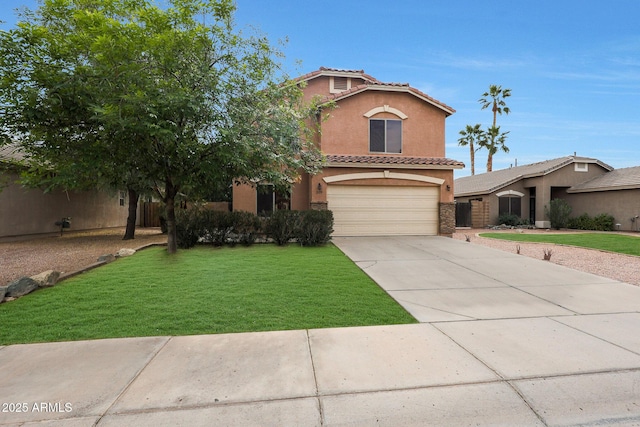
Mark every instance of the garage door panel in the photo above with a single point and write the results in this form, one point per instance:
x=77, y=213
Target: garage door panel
x=379, y=210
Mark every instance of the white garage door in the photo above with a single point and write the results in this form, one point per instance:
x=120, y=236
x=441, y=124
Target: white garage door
x=383, y=211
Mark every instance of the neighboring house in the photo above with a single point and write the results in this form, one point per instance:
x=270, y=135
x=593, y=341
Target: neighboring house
x=386, y=171
x=26, y=211
x=616, y=193
x=526, y=190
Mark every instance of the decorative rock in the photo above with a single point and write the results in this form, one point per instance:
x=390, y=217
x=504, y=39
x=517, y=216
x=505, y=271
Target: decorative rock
x=21, y=287
x=47, y=279
x=3, y=291
x=106, y=258
x=125, y=252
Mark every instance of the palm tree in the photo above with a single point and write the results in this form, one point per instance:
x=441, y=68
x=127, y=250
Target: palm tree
x=470, y=136
x=493, y=141
x=494, y=98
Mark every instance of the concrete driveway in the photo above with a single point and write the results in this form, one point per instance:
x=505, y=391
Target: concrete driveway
x=504, y=340
x=563, y=342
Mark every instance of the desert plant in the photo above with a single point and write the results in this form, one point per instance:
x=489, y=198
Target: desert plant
x=558, y=212
x=547, y=254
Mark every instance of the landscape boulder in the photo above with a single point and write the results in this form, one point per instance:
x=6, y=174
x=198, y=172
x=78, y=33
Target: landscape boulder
x=125, y=252
x=3, y=291
x=106, y=258
x=47, y=279
x=20, y=287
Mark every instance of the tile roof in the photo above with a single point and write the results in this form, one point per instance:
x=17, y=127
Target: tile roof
x=339, y=159
x=11, y=152
x=337, y=71
x=618, y=179
x=371, y=83
x=489, y=182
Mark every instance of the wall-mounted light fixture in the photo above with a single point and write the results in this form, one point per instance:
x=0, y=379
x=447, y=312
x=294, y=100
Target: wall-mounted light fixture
x=319, y=188
x=448, y=187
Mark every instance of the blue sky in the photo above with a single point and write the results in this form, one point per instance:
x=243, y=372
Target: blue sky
x=573, y=66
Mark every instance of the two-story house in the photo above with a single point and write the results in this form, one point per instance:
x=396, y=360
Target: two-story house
x=386, y=171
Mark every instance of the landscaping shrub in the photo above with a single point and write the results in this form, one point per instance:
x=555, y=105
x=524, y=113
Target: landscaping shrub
x=558, y=212
x=216, y=227
x=602, y=222
x=246, y=227
x=509, y=219
x=315, y=227
x=283, y=226
x=188, y=227
x=582, y=222
x=309, y=228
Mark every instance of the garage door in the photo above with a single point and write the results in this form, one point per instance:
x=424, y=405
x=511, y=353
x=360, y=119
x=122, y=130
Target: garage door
x=383, y=211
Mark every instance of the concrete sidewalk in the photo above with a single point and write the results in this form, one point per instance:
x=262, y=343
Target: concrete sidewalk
x=504, y=340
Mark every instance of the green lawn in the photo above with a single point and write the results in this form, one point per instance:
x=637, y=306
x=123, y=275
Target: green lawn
x=203, y=291
x=606, y=241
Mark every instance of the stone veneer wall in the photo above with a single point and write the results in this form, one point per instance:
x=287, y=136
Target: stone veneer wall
x=447, y=218
x=319, y=206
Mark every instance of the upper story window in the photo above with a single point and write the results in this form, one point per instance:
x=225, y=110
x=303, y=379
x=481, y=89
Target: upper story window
x=385, y=136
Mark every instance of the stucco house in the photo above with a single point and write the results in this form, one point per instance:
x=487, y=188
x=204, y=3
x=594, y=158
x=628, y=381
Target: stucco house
x=29, y=211
x=587, y=184
x=616, y=192
x=386, y=171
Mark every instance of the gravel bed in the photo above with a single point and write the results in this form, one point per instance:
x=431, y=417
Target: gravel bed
x=625, y=268
x=70, y=252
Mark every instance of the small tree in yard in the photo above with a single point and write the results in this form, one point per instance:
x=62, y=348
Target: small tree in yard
x=126, y=94
x=558, y=213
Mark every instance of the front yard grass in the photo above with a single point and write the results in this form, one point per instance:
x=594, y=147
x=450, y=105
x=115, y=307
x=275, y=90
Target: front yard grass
x=203, y=291
x=612, y=242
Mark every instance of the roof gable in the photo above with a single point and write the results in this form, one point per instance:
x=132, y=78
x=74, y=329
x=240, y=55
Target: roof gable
x=619, y=179
x=371, y=84
x=489, y=182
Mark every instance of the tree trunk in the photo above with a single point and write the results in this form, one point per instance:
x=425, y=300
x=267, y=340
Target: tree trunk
x=490, y=162
x=130, y=232
x=169, y=201
x=472, y=154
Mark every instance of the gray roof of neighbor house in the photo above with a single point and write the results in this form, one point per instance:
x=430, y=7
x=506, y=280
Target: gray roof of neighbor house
x=489, y=182
x=619, y=179
x=11, y=152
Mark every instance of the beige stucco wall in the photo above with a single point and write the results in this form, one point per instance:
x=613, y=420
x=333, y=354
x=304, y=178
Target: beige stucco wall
x=622, y=204
x=30, y=211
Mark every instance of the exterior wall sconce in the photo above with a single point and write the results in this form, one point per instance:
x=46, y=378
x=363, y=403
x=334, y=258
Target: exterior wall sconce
x=448, y=187
x=319, y=188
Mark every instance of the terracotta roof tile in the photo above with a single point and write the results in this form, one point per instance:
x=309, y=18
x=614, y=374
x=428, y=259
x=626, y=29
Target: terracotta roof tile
x=393, y=160
x=371, y=83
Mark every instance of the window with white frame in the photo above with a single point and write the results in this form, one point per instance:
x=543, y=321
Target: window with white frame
x=581, y=167
x=385, y=136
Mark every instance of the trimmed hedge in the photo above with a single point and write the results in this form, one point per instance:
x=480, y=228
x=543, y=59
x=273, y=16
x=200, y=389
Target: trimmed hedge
x=602, y=222
x=309, y=228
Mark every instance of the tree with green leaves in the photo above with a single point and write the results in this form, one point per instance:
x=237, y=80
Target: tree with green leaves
x=495, y=140
x=126, y=94
x=471, y=135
